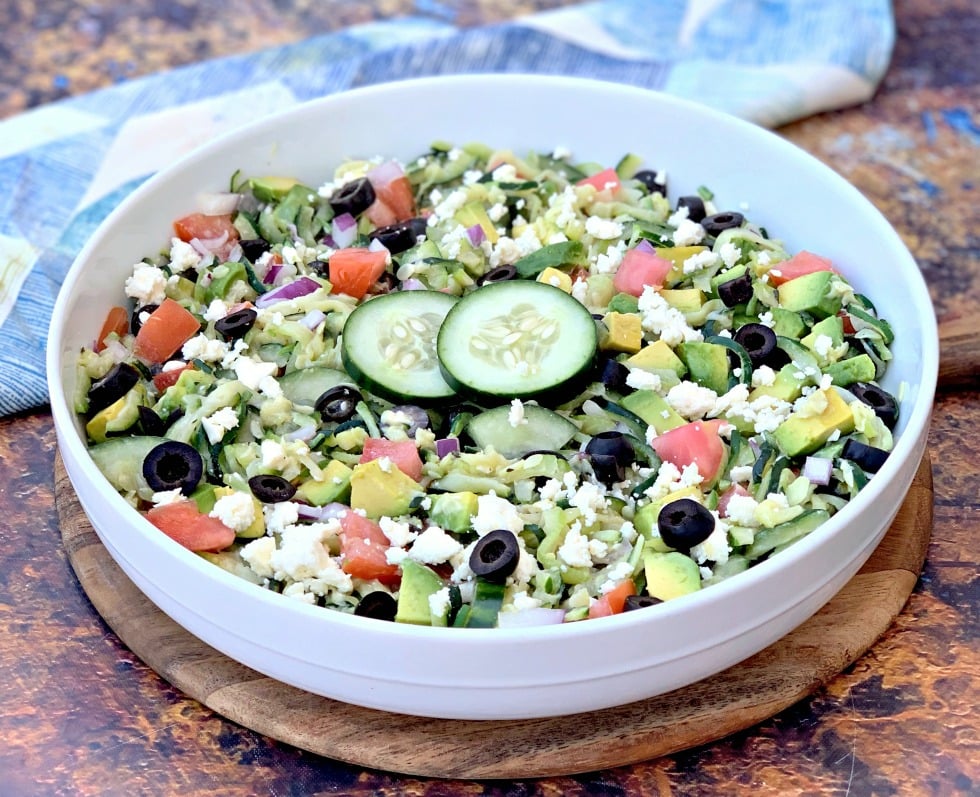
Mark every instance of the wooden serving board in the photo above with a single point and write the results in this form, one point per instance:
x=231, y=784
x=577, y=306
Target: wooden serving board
x=733, y=700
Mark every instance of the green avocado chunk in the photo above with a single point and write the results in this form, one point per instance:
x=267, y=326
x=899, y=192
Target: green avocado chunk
x=418, y=583
x=707, y=364
x=670, y=575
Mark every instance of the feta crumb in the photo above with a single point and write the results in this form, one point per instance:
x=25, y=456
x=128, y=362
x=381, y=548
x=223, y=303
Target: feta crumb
x=699, y=261
x=691, y=399
x=258, y=556
x=201, y=347
x=439, y=603
x=496, y=513
x=398, y=533
x=688, y=233
x=183, y=256
x=218, y=423
x=515, y=417
x=716, y=547
x=766, y=319
x=603, y=229
x=236, y=511
x=574, y=551
x=279, y=516
x=638, y=379
x=730, y=253
x=763, y=376
x=667, y=322
x=148, y=284
x=165, y=497
x=741, y=508
x=433, y=546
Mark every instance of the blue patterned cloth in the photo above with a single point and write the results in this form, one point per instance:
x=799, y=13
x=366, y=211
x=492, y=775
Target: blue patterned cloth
x=64, y=166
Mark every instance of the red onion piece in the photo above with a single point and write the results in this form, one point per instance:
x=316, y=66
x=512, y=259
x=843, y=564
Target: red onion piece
x=447, y=445
x=818, y=470
x=304, y=433
x=476, y=234
x=291, y=290
x=321, y=513
x=377, y=246
x=645, y=246
x=313, y=319
x=412, y=284
x=218, y=203
x=385, y=173
x=343, y=230
x=530, y=618
x=272, y=273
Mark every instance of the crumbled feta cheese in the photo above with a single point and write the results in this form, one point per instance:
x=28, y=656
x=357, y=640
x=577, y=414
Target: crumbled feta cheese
x=590, y=498
x=691, y=399
x=280, y=515
x=433, y=546
x=679, y=215
x=216, y=310
x=688, y=233
x=607, y=262
x=667, y=322
x=258, y=556
x=398, y=533
x=497, y=211
x=615, y=574
x=505, y=173
x=560, y=153
x=638, y=379
x=699, y=261
x=165, y=497
x=741, y=508
x=236, y=510
x=496, y=513
x=766, y=319
x=741, y=474
x=218, y=423
x=522, y=601
x=515, y=416
x=201, y=347
x=716, y=547
x=148, y=284
x=439, y=603
x=763, y=376
x=603, y=229
x=255, y=374
x=729, y=253
x=183, y=256
x=763, y=258
x=574, y=551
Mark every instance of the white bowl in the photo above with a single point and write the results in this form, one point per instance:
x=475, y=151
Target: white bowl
x=514, y=673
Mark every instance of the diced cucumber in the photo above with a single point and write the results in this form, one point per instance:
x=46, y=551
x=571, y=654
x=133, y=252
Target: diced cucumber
x=389, y=345
x=516, y=339
x=305, y=385
x=121, y=460
x=543, y=430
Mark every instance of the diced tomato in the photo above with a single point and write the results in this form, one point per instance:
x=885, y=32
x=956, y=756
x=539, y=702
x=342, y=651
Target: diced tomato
x=607, y=179
x=846, y=324
x=698, y=443
x=797, y=266
x=380, y=214
x=217, y=233
x=725, y=497
x=117, y=320
x=166, y=330
x=353, y=271
x=639, y=269
x=364, y=545
x=184, y=523
x=403, y=453
x=394, y=194
x=613, y=601
x=166, y=379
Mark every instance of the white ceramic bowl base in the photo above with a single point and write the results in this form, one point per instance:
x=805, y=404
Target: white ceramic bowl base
x=519, y=673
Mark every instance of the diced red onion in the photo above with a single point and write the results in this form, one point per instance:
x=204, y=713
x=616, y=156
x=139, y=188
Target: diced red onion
x=476, y=234
x=529, y=618
x=645, y=246
x=756, y=448
x=446, y=446
x=377, y=246
x=313, y=319
x=343, y=230
x=117, y=351
x=817, y=470
x=218, y=203
x=235, y=254
x=207, y=246
x=329, y=241
x=412, y=284
x=270, y=276
x=291, y=290
x=304, y=433
x=320, y=513
x=385, y=173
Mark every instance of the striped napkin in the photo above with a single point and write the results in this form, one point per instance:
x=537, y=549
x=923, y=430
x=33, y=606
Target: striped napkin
x=64, y=166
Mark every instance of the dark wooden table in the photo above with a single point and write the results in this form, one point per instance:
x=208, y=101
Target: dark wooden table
x=79, y=714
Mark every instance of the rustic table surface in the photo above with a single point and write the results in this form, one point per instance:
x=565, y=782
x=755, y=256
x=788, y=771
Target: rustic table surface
x=80, y=714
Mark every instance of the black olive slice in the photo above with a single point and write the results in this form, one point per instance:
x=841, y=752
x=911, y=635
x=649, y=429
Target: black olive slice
x=498, y=274
x=495, y=556
x=378, y=604
x=881, y=401
x=613, y=374
x=135, y=322
x=235, y=325
x=173, y=466
x=648, y=178
x=338, y=403
x=694, y=205
x=722, y=221
x=866, y=457
x=119, y=380
x=271, y=489
x=254, y=248
x=736, y=291
x=685, y=523
x=610, y=454
x=419, y=418
x=634, y=602
x=151, y=424
x=354, y=197
x=758, y=340
x=398, y=237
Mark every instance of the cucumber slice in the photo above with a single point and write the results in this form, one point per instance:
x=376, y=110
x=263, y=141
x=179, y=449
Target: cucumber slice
x=389, y=346
x=545, y=430
x=121, y=460
x=516, y=339
x=305, y=385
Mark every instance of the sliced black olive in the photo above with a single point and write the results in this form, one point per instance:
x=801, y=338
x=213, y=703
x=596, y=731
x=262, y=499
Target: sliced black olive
x=419, y=417
x=498, y=274
x=320, y=267
x=271, y=489
x=613, y=375
x=173, y=466
x=881, y=401
x=135, y=322
x=758, y=340
x=386, y=283
x=685, y=523
x=722, y=221
x=119, y=380
x=379, y=605
x=610, y=453
x=634, y=602
x=254, y=248
x=338, y=403
x=866, y=457
x=736, y=291
x=151, y=424
x=694, y=205
x=495, y=556
x=235, y=325
x=398, y=237
x=649, y=179
x=355, y=197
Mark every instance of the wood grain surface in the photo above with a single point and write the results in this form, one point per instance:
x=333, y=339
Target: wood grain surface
x=737, y=698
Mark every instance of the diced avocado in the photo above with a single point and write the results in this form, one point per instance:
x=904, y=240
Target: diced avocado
x=653, y=409
x=670, y=575
x=800, y=434
x=851, y=370
x=831, y=327
x=418, y=583
x=552, y=276
x=645, y=520
x=687, y=300
x=624, y=303
x=454, y=511
x=707, y=364
x=118, y=416
x=624, y=333
x=257, y=527
x=810, y=293
x=351, y=438
x=658, y=356
x=786, y=386
x=204, y=497
x=787, y=323
x=677, y=255
x=334, y=486
x=381, y=492
x=271, y=189
x=599, y=290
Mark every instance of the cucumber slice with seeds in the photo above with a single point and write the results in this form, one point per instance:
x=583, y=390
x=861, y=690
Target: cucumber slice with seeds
x=516, y=339
x=389, y=346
